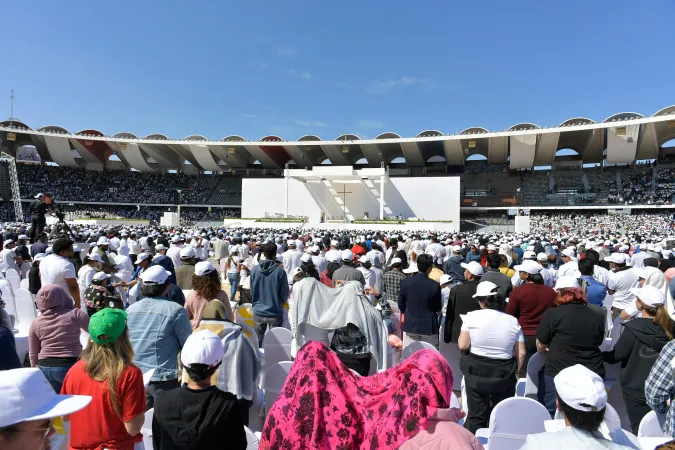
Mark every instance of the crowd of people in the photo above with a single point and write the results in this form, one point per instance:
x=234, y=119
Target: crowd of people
x=166, y=301
x=71, y=184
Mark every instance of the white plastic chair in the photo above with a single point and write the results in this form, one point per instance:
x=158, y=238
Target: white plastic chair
x=534, y=365
x=251, y=439
x=25, y=284
x=274, y=381
x=277, y=346
x=451, y=353
x=25, y=268
x=146, y=430
x=14, y=278
x=25, y=309
x=414, y=346
x=651, y=425
x=511, y=421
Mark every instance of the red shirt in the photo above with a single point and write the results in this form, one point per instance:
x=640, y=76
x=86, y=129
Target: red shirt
x=357, y=250
x=97, y=426
x=528, y=303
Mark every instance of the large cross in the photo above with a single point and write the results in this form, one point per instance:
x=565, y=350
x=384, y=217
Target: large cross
x=344, y=200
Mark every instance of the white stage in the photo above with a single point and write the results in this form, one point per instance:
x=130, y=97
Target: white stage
x=340, y=195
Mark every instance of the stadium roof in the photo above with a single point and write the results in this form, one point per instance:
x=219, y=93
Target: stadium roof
x=625, y=137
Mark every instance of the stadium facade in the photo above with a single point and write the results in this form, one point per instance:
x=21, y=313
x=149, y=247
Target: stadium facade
x=620, y=139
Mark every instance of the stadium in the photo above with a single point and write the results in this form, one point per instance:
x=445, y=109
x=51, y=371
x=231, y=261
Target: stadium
x=622, y=161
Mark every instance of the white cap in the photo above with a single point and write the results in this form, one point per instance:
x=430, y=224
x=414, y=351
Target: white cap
x=155, y=275
x=531, y=267
x=569, y=252
x=491, y=247
x=581, y=388
x=297, y=270
x=187, y=252
x=100, y=276
x=364, y=259
x=7, y=242
x=456, y=248
x=142, y=257
x=395, y=261
x=306, y=257
x=203, y=268
x=202, y=347
x=23, y=237
x=95, y=257
x=542, y=257
x=347, y=255
x=39, y=257
x=331, y=257
x=616, y=258
x=566, y=281
x=176, y=239
x=474, y=268
x=291, y=243
x=103, y=241
x=649, y=295
x=529, y=254
x=27, y=396
x=486, y=288
x=315, y=249
x=160, y=247
x=445, y=278
x=412, y=268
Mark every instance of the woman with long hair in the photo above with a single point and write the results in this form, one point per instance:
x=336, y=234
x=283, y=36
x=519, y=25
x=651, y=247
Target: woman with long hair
x=205, y=287
x=570, y=333
x=638, y=347
x=106, y=372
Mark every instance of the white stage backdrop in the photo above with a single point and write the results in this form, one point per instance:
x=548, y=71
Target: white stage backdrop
x=429, y=198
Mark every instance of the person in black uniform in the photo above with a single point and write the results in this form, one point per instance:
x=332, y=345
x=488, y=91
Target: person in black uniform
x=38, y=208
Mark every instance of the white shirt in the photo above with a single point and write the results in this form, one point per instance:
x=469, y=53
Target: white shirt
x=570, y=268
x=134, y=247
x=573, y=438
x=320, y=263
x=115, y=243
x=549, y=275
x=84, y=276
x=291, y=260
x=369, y=277
x=174, y=253
x=601, y=275
x=622, y=282
x=493, y=333
x=55, y=269
x=7, y=256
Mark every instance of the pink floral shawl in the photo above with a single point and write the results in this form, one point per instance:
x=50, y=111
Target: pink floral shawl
x=323, y=405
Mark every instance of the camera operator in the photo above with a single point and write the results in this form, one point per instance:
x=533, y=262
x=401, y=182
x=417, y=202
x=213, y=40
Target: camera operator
x=38, y=208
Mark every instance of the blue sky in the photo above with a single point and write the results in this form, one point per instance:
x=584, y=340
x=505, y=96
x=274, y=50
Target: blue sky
x=292, y=68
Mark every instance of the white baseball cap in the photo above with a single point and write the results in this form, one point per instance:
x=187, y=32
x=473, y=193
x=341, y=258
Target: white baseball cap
x=7, y=242
x=315, y=249
x=100, y=276
x=581, y=388
x=395, y=261
x=485, y=288
x=474, y=268
x=531, y=267
x=142, y=257
x=103, y=241
x=306, y=257
x=412, y=268
x=364, y=259
x=616, y=258
x=297, y=270
x=649, y=295
x=291, y=243
x=159, y=247
x=529, y=254
x=445, y=278
x=203, y=268
x=331, y=257
x=155, y=275
x=456, y=248
x=202, y=347
x=23, y=237
x=566, y=281
x=542, y=257
x=176, y=239
x=95, y=257
x=569, y=252
x=347, y=255
x=187, y=252
x=27, y=396
x=491, y=247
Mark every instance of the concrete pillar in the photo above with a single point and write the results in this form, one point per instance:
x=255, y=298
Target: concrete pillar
x=286, y=189
x=382, y=197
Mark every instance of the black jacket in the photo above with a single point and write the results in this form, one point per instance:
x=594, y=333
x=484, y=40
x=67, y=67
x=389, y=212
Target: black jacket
x=420, y=300
x=460, y=301
x=34, y=282
x=637, y=350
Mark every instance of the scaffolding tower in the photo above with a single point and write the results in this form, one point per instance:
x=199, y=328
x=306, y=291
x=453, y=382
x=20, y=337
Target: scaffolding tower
x=14, y=184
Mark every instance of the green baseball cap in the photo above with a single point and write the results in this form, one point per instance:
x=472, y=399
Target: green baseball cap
x=110, y=322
